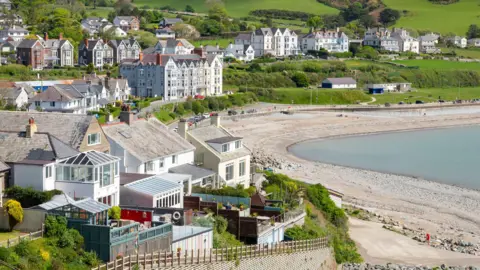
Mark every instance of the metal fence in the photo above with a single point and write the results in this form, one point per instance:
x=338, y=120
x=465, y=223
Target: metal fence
x=15, y=240
x=189, y=257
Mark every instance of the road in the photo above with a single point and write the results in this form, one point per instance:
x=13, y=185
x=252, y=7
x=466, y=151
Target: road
x=380, y=246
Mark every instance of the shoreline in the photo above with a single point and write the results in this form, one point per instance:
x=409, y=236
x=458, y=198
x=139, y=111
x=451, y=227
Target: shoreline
x=437, y=208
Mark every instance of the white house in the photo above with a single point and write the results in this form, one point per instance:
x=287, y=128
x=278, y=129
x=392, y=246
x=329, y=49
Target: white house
x=43, y=162
x=16, y=96
x=58, y=99
x=93, y=25
x=475, y=42
x=339, y=83
x=174, y=46
x=332, y=41
x=113, y=30
x=146, y=145
x=219, y=151
x=428, y=43
x=406, y=43
x=275, y=41
x=380, y=38
x=240, y=52
x=165, y=33
x=15, y=32
x=458, y=41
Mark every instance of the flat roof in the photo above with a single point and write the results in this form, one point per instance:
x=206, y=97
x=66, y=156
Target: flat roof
x=195, y=171
x=183, y=232
x=158, y=184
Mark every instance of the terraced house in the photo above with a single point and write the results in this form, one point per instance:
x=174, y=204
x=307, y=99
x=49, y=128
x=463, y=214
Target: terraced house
x=127, y=23
x=125, y=49
x=95, y=51
x=173, y=76
x=332, y=41
x=58, y=52
x=274, y=41
x=380, y=38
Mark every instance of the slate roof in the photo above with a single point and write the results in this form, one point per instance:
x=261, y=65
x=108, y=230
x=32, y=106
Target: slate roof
x=243, y=36
x=10, y=92
x=222, y=140
x=3, y=167
x=16, y=147
x=57, y=93
x=126, y=18
x=31, y=92
x=345, y=80
x=54, y=43
x=172, y=20
x=158, y=184
x=210, y=48
x=15, y=28
x=69, y=128
x=205, y=134
x=164, y=58
x=195, y=171
x=147, y=139
x=27, y=43
x=429, y=37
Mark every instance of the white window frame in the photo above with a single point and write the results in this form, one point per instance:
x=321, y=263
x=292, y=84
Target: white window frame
x=238, y=144
x=174, y=159
x=226, y=171
x=91, y=142
x=241, y=167
x=48, y=171
x=225, y=147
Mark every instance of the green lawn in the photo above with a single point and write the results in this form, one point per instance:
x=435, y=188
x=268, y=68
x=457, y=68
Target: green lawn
x=318, y=96
x=4, y=236
x=240, y=8
x=441, y=18
x=439, y=64
x=466, y=53
x=99, y=11
x=222, y=42
x=429, y=95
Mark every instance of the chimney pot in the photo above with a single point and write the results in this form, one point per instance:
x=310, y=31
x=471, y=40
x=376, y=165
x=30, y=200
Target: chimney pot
x=126, y=115
x=215, y=119
x=159, y=59
x=31, y=128
x=140, y=56
x=45, y=36
x=183, y=128
x=60, y=36
x=86, y=42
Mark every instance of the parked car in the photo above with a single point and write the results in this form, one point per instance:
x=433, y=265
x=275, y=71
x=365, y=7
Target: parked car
x=387, y=104
x=401, y=103
x=206, y=115
x=232, y=112
x=419, y=102
x=252, y=111
x=441, y=101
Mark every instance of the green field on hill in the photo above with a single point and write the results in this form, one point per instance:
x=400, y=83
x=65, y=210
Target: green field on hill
x=440, y=64
x=429, y=95
x=240, y=8
x=441, y=18
x=316, y=96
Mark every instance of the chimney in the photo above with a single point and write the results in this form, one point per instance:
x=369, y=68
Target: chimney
x=31, y=128
x=140, y=56
x=45, y=36
x=106, y=82
x=60, y=36
x=159, y=59
x=86, y=42
x=215, y=119
x=126, y=115
x=183, y=128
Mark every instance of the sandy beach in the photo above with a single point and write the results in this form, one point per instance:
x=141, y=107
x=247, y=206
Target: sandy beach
x=437, y=208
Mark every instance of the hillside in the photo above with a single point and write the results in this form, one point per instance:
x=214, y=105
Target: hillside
x=423, y=14
x=241, y=8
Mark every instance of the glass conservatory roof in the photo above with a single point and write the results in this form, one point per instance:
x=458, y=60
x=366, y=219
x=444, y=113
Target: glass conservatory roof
x=90, y=158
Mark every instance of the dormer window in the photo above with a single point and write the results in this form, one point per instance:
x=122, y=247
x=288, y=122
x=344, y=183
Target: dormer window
x=225, y=147
x=238, y=144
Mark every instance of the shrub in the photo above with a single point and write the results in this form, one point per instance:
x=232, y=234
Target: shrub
x=114, y=212
x=90, y=258
x=172, y=115
x=320, y=198
x=29, y=197
x=299, y=233
x=15, y=213
x=179, y=109
x=65, y=241
x=300, y=79
x=55, y=226
x=197, y=107
x=220, y=224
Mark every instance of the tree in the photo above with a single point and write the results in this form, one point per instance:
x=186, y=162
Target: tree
x=114, y=212
x=300, y=79
x=367, y=21
x=367, y=52
x=189, y=8
x=90, y=68
x=14, y=211
x=185, y=31
x=389, y=16
x=315, y=22
x=217, y=12
x=179, y=109
x=353, y=12
x=473, y=31
x=197, y=107
x=210, y=28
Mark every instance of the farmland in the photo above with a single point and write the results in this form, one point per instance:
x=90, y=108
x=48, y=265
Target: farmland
x=241, y=8
x=441, y=18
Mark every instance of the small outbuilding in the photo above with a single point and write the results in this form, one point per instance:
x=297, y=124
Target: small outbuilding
x=339, y=83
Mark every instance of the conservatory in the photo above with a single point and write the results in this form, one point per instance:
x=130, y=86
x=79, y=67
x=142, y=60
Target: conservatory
x=90, y=174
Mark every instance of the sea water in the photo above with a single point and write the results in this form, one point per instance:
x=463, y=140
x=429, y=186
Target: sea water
x=450, y=155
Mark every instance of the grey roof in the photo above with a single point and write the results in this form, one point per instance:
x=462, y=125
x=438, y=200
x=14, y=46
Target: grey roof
x=172, y=20
x=127, y=18
x=158, y=184
x=243, y=36
x=54, y=43
x=81, y=88
x=56, y=202
x=149, y=50
x=93, y=158
x=3, y=166
x=210, y=48
x=58, y=93
x=222, y=140
x=16, y=147
x=183, y=232
x=204, y=134
x=10, y=92
x=429, y=37
x=165, y=30
x=69, y=128
x=147, y=139
x=15, y=28
x=194, y=171
x=28, y=88
x=27, y=43
x=344, y=80
x=127, y=178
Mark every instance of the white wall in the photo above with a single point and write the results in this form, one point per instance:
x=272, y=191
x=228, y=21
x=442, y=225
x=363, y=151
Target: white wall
x=30, y=176
x=245, y=179
x=200, y=241
x=344, y=86
x=92, y=190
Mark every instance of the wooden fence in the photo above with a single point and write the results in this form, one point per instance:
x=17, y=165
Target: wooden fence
x=15, y=240
x=156, y=260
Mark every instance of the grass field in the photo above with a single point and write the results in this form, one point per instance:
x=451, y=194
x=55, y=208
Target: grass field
x=240, y=8
x=466, y=53
x=318, y=96
x=222, y=42
x=99, y=11
x=4, y=236
x=441, y=18
x=439, y=64
x=429, y=95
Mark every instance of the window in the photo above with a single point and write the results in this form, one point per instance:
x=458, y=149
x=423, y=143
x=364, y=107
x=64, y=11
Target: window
x=174, y=159
x=241, y=168
x=149, y=166
x=238, y=144
x=106, y=175
x=225, y=147
x=37, y=103
x=161, y=163
x=229, y=171
x=94, y=138
x=52, y=104
x=48, y=171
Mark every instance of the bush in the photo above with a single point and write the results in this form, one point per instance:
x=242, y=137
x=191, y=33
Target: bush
x=197, y=107
x=300, y=79
x=15, y=213
x=179, y=109
x=66, y=241
x=29, y=197
x=319, y=196
x=55, y=226
x=90, y=258
x=114, y=212
x=299, y=233
x=220, y=224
